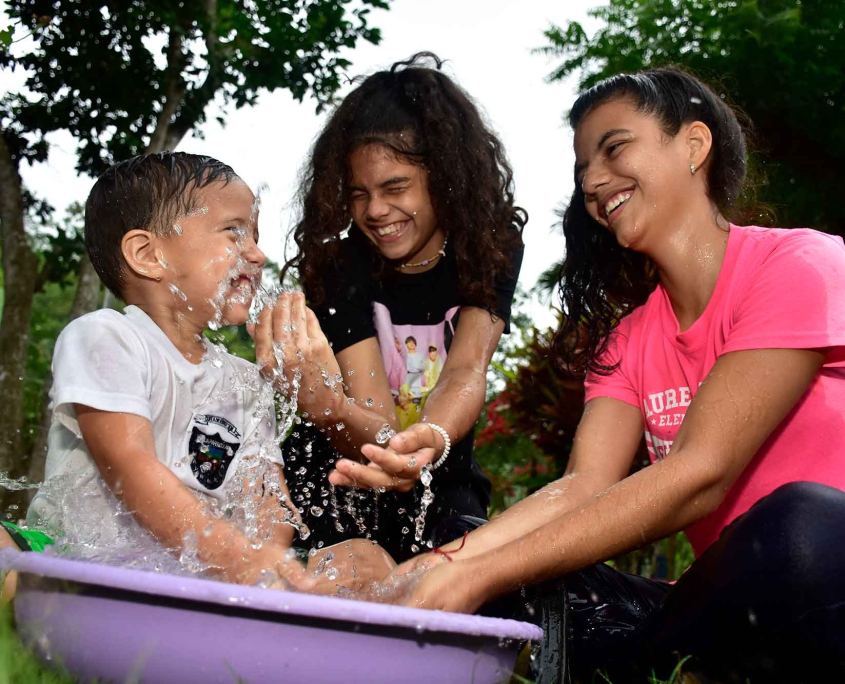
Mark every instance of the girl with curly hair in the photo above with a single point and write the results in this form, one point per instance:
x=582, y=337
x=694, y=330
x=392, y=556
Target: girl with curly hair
x=724, y=347
x=408, y=231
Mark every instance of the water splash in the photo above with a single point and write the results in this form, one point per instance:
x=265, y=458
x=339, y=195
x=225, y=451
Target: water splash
x=16, y=484
x=176, y=291
x=425, y=501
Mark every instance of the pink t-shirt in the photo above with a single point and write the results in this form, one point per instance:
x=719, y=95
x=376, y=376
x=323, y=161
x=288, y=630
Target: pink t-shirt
x=777, y=289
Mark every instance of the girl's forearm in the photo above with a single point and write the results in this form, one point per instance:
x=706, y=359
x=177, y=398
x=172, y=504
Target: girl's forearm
x=456, y=401
x=645, y=507
x=527, y=515
x=351, y=425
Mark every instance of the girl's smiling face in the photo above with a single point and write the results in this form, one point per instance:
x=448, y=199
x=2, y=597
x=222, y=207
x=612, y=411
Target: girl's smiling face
x=391, y=205
x=635, y=178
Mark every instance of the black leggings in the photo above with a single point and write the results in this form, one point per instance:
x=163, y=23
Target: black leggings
x=766, y=601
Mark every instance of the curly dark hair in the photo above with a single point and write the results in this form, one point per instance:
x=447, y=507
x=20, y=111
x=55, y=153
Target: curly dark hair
x=420, y=114
x=600, y=281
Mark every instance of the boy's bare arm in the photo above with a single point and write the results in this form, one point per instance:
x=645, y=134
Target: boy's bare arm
x=123, y=448
x=278, y=523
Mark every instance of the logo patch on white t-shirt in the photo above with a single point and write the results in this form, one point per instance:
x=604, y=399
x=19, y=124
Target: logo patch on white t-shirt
x=211, y=454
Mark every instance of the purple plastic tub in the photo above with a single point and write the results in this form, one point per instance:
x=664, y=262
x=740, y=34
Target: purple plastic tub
x=117, y=624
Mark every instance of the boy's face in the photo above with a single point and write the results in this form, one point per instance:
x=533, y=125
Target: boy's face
x=412, y=346
x=213, y=260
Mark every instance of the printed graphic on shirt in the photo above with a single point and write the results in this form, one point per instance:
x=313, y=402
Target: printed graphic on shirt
x=211, y=453
x=413, y=356
x=664, y=413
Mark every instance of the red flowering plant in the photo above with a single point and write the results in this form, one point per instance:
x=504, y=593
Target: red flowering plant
x=524, y=439
x=525, y=432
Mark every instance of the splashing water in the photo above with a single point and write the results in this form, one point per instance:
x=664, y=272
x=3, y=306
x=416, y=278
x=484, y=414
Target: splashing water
x=176, y=291
x=15, y=485
x=425, y=502
x=385, y=434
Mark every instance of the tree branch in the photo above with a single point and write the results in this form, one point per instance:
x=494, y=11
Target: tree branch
x=174, y=96
x=197, y=99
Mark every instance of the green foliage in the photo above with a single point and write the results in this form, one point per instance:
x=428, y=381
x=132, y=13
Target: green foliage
x=780, y=61
x=17, y=664
x=50, y=313
x=97, y=69
x=506, y=357
x=58, y=246
x=515, y=465
x=236, y=340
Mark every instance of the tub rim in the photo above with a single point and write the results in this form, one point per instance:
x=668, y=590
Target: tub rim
x=272, y=601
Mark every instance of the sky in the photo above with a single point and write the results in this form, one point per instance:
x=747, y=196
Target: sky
x=488, y=45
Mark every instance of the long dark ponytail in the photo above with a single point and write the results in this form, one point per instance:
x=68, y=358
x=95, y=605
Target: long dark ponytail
x=600, y=281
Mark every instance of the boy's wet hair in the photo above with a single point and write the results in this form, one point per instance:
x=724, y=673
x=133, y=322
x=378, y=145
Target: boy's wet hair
x=149, y=192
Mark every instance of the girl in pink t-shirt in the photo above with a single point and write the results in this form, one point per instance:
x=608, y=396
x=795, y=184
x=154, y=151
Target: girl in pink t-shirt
x=724, y=346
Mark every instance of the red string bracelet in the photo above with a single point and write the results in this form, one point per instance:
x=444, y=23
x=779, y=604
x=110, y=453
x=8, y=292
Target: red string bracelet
x=445, y=554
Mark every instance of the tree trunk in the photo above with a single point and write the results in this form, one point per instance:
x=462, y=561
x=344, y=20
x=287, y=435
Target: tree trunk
x=161, y=140
x=86, y=299
x=19, y=275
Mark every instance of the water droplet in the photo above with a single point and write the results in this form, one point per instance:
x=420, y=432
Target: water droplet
x=266, y=579
x=385, y=434
x=331, y=573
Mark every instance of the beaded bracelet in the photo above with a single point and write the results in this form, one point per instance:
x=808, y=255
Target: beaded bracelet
x=446, y=440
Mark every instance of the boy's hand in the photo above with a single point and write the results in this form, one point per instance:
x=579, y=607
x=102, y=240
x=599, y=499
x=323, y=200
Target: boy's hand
x=353, y=565
x=293, y=353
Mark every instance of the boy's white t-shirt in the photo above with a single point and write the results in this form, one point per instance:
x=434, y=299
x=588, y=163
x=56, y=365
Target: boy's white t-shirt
x=206, y=419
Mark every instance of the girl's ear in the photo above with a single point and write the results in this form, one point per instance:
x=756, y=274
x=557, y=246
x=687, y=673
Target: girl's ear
x=141, y=254
x=699, y=140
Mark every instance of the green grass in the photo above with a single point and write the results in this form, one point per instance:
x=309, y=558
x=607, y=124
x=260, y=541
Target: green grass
x=20, y=666
x=17, y=664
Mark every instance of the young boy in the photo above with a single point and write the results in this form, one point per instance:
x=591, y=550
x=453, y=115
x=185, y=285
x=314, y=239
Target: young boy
x=146, y=411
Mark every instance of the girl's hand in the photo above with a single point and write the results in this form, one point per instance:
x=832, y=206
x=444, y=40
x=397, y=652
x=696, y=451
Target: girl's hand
x=353, y=565
x=292, y=352
x=447, y=586
x=396, y=467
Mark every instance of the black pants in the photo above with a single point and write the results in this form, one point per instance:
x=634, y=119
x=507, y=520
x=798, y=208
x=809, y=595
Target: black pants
x=765, y=602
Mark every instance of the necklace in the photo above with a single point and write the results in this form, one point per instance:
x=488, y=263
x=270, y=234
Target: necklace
x=425, y=262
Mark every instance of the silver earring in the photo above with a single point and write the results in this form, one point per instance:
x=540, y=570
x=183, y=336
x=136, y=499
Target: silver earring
x=692, y=168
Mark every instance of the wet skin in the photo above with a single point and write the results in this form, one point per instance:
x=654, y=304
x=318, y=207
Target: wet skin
x=595, y=512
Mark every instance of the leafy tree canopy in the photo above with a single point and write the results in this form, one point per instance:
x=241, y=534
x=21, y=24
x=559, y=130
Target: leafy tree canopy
x=117, y=73
x=781, y=61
